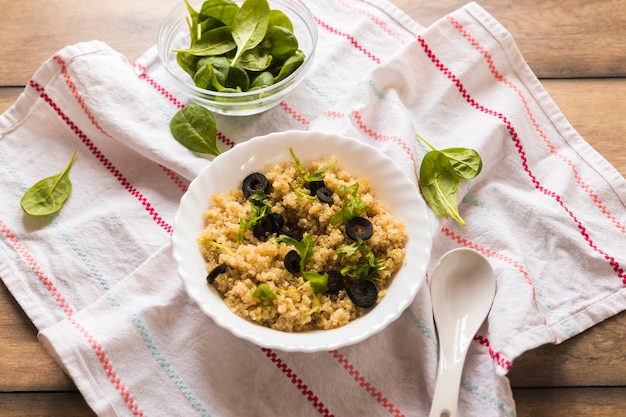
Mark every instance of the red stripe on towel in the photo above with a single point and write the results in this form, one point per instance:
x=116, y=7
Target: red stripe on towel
x=144, y=76
x=79, y=98
x=375, y=20
x=364, y=383
x=350, y=38
x=177, y=103
x=522, y=153
x=500, y=360
x=300, y=118
x=103, y=159
x=497, y=75
x=304, y=389
x=69, y=312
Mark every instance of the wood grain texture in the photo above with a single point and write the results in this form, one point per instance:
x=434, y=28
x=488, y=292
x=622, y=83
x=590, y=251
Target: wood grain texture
x=29, y=37
x=64, y=404
x=558, y=38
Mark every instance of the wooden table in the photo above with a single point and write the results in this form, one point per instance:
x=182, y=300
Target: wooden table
x=577, y=48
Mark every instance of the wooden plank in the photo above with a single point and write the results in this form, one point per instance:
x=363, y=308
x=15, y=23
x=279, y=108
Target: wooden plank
x=594, y=358
x=553, y=35
x=569, y=402
x=24, y=364
x=130, y=27
x=554, y=402
x=65, y=404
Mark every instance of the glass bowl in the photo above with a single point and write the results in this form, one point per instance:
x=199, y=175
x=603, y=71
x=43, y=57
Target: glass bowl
x=174, y=34
x=391, y=185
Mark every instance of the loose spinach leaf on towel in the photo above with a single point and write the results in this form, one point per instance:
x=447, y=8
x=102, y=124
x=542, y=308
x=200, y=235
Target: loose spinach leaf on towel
x=440, y=174
x=194, y=127
x=49, y=195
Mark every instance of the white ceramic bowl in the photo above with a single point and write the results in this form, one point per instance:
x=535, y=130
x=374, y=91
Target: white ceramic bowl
x=226, y=172
x=174, y=34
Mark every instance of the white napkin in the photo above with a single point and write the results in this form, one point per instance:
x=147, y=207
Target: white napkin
x=99, y=282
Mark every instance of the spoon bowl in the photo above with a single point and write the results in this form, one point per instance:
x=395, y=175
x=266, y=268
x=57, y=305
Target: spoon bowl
x=462, y=288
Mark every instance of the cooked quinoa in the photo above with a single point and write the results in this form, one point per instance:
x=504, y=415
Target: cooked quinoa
x=248, y=262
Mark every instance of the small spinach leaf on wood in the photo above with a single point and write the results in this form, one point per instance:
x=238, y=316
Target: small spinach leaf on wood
x=194, y=127
x=49, y=195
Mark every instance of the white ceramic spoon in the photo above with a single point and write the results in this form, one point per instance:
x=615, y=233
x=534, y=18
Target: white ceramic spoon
x=462, y=289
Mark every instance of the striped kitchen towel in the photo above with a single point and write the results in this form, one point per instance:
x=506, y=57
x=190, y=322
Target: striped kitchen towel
x=99, y=283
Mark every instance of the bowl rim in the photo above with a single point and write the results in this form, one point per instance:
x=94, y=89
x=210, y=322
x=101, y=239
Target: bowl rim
x=265, y=92
x=244, y=158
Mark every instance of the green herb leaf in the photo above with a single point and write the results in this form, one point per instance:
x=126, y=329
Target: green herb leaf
x=368, y=267
x=353, y=206
x=217, y=245
x=194, y=127
x=439, y=183
x=319, y=282
x=466, y=162
x=49, y=195
x=317, y=175
x=249, y=26
x=261, y=207
x=264, y=294
x=303, y=247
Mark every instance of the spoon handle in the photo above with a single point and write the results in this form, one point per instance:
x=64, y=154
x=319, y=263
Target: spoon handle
x=446, y=397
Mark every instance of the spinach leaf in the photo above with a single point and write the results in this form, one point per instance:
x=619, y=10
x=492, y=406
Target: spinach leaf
x=222, y=10
x=187, y=62
x=279, y=18
x=238, y=79
x=440, y=173
x=282, y=42
x=216, y=41
x=256, y=59
x=49, y=195
x=250, y=26
x=466, y=162
x=439, y=183
x=291, y=64
x=251, y=37
x=262, y=80
x=194, y=127
x=206, y=78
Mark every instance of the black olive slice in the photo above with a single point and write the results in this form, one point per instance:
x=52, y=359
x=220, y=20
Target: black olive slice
x=335, y=281
x=324, y=195
x=263, y=228
x=278, y=221
x=316, y=185
x=359, y=228
x=220, y=269
x=292, y=261
x=255, y=182
x=363, y=293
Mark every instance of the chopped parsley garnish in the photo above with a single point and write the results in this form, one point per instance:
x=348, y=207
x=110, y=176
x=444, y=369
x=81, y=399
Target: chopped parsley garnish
x=261, y=207
x=316, y=175
x=264, y=294
x=369, y=267
x=353, y=206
